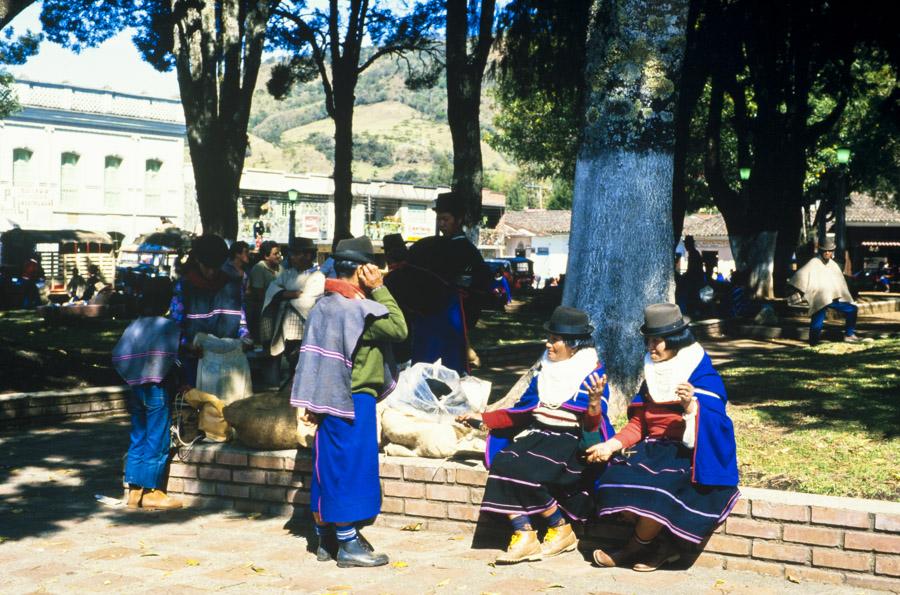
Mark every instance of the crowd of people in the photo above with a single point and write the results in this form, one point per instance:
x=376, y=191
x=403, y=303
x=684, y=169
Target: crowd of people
x=554, y=457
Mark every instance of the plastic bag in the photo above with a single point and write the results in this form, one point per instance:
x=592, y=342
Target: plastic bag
x=430, y=390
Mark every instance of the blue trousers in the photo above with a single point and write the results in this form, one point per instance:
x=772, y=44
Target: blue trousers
x=150, y=409
x=442, y=336
x=818, y=319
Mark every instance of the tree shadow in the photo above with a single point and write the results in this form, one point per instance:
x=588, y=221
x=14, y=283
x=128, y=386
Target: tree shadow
x=49, y=478
x=803, y=389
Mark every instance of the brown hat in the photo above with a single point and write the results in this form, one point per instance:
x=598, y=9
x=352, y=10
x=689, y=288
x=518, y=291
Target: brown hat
x=827, y=245
x=661, y=320
x=569, y=322
x=356, y=250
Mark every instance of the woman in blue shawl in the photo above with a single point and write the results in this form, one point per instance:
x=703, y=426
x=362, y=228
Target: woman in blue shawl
x=534, y=449
x=676, y=467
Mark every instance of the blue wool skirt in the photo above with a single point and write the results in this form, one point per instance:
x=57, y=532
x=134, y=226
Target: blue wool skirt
x=345, y=486
x=655, y=482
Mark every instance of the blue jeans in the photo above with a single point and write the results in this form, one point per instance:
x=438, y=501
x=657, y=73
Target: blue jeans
x=150, y=441
x=818, y=319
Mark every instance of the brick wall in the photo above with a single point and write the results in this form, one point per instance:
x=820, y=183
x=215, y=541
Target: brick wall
x=40, y=408
x=800, y=537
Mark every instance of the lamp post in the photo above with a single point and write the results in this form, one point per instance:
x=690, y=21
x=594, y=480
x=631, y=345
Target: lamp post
x=840, y=203
x=292, y=217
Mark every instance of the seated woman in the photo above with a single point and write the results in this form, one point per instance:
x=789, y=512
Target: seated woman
x=540, y=471
x=681, y=474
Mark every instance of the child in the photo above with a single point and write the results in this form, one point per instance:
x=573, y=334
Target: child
x=144, y=357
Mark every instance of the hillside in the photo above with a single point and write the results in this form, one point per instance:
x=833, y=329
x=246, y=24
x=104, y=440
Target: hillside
x=399, y=134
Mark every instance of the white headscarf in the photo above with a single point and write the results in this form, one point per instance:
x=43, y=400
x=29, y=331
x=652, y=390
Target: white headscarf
x=664, y=377
x=559, y=381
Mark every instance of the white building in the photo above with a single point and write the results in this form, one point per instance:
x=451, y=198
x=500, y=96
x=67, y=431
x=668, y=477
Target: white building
x=99, y=160
x=542, y=235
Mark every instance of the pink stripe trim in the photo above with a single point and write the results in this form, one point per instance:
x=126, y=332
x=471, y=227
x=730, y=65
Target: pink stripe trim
x=660, y=491
x=510, y=479
x=144, y=380
x=554, y=462
x=119, y=358
x=325, y=353
x=214, y=313
x=507, y=509
x=322, y=409
x=661, y=519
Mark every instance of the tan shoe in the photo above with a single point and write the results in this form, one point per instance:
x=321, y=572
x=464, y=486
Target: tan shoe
x=622, y=557
x=159, y=500
x=558, y=540
x=134, y=497
x=654, y=557
x=523, y=547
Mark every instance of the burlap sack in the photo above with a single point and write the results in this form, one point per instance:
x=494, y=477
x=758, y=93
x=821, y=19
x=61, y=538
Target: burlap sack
x=267, y=421
x=211, y=420
x=413, y=436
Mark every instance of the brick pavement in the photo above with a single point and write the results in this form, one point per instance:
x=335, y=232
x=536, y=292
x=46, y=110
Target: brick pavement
x=56, y=538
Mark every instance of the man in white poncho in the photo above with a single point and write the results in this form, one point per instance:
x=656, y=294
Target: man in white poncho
x=823, y=285
x=288, y=300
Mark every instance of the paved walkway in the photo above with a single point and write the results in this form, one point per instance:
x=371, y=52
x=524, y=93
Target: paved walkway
x=55, y=537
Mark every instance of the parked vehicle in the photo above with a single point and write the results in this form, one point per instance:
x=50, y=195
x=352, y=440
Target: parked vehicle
x=522, y=272
x=151, y=255
x=30, y=255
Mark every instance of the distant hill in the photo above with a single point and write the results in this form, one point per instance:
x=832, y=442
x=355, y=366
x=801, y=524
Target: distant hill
x=399, y=134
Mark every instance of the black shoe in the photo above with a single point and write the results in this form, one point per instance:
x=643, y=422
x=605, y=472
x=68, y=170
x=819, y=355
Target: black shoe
x=327, y=548
x=354, y=553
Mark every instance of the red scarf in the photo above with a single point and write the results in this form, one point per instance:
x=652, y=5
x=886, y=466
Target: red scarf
x=196, y=278
x=344, y=288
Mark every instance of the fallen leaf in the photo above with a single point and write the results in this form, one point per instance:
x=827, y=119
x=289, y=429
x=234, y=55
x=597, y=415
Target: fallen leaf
x=3, y=539
x=443, y=583
x=192, y=562
x=257, y=569
x=254, y=515
x=107, y=582
x=456, y=537
x=399, y=564
x=412, y=527
x=340, y=588
x=555, y=586
x=792, y=577
x=148, y=554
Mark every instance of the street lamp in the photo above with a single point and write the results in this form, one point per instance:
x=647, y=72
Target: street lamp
x=745, y=173
x=292, y=223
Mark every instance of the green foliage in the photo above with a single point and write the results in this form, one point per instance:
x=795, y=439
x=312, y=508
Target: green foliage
x=8, y=102
x=372, y=150
x=323, y=143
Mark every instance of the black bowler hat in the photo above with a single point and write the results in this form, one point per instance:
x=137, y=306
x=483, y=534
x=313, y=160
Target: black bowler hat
x=449, y=202
x=210, y=250
x=394, y=245
x=355, y=250
x=661, y=320
x=569, y=322
x=302, y=245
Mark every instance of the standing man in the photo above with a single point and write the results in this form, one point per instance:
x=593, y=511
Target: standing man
x=262, y=273
x=458, y=265
x=345, y=366
x=822, y=282
x=289, y=298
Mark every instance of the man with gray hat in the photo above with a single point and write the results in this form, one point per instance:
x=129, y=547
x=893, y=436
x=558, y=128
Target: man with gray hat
x=287, y=303
x=822, y=283
x=346, y=365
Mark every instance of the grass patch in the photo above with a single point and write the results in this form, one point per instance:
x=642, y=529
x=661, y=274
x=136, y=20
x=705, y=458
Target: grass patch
x=821, y=420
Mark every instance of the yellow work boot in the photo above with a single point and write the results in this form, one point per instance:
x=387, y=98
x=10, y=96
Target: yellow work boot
x=159, y=500
x=134, y=497
x=523, y=547
x=558, y=540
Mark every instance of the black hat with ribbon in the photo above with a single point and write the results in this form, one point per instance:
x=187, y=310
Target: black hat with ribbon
x=661, y=320
x=569, y=322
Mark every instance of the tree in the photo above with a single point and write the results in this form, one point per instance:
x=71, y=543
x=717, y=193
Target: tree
x=13, y=50
x=620, y=248
x=469, y=36
x=215, y=47
x=540, y=89
x=328, y=44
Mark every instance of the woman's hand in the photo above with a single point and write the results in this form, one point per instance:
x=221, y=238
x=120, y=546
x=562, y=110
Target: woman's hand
x=307, y=417
x=600, y=453
x=471, y=419
x=595, y=386
x=685, y=392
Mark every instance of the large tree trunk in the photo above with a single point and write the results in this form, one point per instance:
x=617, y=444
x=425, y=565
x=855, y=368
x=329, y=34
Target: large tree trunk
x=343, y=167
x=464, y=76
x=217, y=56
x=620, y=248
x=9, y=9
